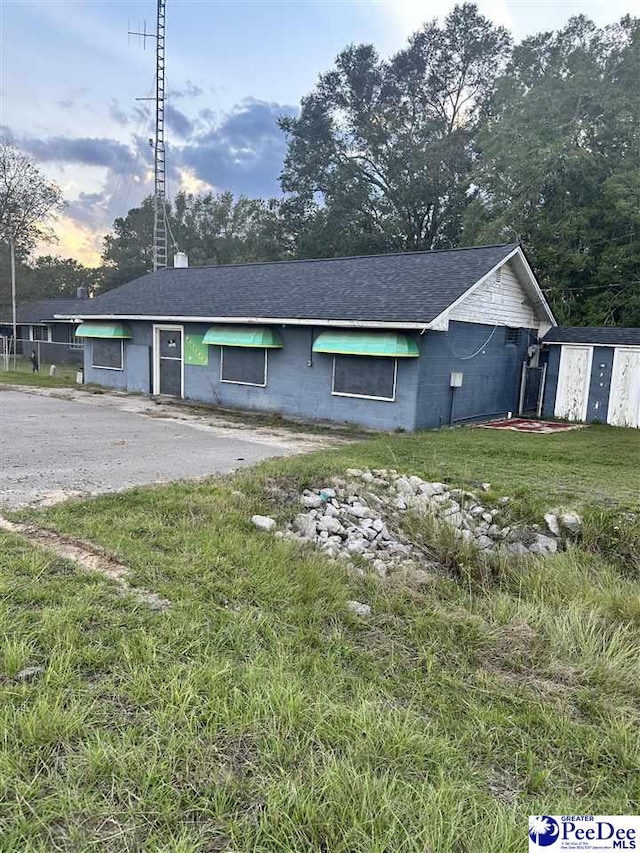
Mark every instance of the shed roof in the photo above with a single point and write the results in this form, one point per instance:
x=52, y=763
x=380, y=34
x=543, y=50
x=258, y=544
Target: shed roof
x=411, y=287
x=603, y=335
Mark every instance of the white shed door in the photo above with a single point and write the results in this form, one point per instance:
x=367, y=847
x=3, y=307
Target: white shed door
x=573, y=383
x=624, y=398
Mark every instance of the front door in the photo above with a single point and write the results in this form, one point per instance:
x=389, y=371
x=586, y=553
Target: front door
x=168, y=361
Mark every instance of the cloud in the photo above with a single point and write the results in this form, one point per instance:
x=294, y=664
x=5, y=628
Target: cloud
x=117, y=114
x=75, y=240
x=244, y=152
x=177, y=122
x=189, y=90
x=86, y=151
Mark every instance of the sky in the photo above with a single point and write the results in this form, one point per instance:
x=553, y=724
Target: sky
x=70, y=75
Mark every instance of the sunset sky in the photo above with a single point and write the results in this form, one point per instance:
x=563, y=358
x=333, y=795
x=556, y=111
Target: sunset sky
x=69, y=76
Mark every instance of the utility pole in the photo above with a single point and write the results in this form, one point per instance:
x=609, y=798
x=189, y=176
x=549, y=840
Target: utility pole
x=159, y=206
x=12, y=249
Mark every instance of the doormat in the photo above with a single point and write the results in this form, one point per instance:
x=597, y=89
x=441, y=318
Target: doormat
x=526, y=425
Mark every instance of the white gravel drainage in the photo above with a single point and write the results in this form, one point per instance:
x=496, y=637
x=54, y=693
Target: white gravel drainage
x=352, y=517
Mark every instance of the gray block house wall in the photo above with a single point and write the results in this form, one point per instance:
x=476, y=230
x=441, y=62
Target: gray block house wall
x=491, y=368
x=137, y=362
x=299, y=381
x=299, y=389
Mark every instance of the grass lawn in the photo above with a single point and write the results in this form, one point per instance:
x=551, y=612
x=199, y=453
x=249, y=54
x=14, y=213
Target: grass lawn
x=259, y=714
x=23, y=375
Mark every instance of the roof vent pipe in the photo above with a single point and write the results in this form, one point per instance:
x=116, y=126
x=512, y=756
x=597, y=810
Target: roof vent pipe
x=81, y=293
x=180, y=260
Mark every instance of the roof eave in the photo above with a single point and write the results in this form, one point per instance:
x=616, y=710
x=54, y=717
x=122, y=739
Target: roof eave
x=422, y=325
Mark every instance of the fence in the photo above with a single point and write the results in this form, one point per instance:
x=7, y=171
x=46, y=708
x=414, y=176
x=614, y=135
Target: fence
x=47, y=352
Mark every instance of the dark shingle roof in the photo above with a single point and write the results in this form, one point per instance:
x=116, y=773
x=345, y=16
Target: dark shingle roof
x=44, y=310
x=414, y=287
x=593, y=335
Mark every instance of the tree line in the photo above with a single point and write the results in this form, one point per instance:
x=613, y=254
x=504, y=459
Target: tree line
x=459, y=139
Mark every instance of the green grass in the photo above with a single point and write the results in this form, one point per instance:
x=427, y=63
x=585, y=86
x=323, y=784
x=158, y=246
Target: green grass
x=23, y=375
x=259, y=714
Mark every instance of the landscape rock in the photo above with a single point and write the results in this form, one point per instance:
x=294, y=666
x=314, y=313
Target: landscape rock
x=362, y=517
x=551, y=520
x=359, y=608
x=263, y=522
x=311, y=501
x=572, y=522
x=29, y=673
x=543, y=545
x=330, y=524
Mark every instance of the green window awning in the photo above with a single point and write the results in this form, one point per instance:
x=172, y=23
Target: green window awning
x=102, y=330
x=242, y=336
x=388, y=344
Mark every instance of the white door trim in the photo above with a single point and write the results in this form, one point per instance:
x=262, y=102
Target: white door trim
x=163, y=327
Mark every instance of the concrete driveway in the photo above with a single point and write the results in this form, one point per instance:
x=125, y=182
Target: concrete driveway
x=56, y=445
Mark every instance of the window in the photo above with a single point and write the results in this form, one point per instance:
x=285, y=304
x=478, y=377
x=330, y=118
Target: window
x=41, y=333
x=107, y=353
x=74, y=342
x=364, y=376
x=244, y=365
x=512, y=336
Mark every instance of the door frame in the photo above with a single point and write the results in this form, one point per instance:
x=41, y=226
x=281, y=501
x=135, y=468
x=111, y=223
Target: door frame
x=587, y=382
x=166, y=327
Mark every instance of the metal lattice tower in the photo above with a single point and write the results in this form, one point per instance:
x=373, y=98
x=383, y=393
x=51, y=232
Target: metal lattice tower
x=159, y=218
x=159, y=193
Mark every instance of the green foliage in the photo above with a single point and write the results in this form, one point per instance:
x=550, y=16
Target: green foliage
x=211, y=228
x=380, y=155
x=558, y=168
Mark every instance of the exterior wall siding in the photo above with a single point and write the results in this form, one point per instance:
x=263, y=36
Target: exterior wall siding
x=299, y=381
x=136, y=375
x=491, y=378
x=298, y=389
x=500, y=300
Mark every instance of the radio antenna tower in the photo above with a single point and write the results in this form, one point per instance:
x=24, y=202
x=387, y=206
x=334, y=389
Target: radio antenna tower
x=159, y=197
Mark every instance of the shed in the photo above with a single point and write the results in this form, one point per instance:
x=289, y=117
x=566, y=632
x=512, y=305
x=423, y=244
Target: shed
x=593, y=374
x=397, y=341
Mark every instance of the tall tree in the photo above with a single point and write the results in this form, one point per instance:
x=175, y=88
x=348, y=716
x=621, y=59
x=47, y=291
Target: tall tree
x=211, y=228
x=27, y=201
x=380, y=155
x=50, y=277
x=128, y=252
x=559, y=167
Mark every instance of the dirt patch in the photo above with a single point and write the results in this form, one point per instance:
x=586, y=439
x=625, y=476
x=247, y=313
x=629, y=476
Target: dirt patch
x=294, y=436
x=88, y=557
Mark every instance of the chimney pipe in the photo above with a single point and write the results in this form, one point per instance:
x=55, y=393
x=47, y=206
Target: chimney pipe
x=180, y=260
x=81, y=293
